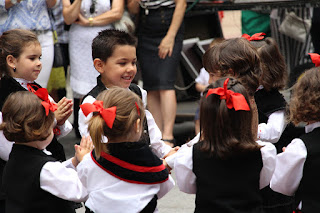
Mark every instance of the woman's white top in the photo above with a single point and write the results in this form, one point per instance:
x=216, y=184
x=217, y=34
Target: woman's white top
x=110, y=194
x=186, y=179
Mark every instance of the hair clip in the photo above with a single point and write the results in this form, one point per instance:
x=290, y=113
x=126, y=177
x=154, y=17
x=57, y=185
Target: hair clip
x=138, y=109
x=108, y=115
x=233, y=100
x=315, y=59
x=42, y=93
x=254, y=37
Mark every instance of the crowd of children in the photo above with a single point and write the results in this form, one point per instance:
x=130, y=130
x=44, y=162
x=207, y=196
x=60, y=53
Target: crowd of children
x=122, y=164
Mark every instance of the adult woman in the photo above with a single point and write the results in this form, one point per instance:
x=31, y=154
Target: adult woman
x=31, y=15
x=87, y=18
x=160, y=37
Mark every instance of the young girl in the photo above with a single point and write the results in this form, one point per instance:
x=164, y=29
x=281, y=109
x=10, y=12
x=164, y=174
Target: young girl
x=226, y=169
x=33, y=181
x=20, y=65
x=296, y=171
x=122, y=175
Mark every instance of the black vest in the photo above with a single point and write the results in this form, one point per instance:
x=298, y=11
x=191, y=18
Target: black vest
x=309, y=188
x=228, y=186
x=21, y=183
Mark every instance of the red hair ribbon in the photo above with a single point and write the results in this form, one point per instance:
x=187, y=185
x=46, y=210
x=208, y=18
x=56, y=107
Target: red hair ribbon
x=233, y=100
x=315, y=59
x=42, y=93
x=138, y=109
x=254, y=37
x=108, y=115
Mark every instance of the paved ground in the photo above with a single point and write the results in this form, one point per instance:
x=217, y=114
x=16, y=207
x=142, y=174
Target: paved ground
x=175, y=201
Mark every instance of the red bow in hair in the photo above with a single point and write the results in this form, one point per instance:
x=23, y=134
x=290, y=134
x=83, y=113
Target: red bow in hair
x=315, y=59
x=233, y=100
x=42, y=93
x=254, y=37
x=108, y=115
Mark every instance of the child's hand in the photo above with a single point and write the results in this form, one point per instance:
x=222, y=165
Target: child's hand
x=284, y=149
x=164, y=162
x=172, y=151
x=64, y=110
x=85, y=147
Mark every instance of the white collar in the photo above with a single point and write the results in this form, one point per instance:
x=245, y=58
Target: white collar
x=311, y=127
x=23, y=82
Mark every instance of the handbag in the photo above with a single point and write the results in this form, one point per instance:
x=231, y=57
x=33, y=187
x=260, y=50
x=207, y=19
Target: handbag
x=295, y=27
x=125, y=24
x=58, y=56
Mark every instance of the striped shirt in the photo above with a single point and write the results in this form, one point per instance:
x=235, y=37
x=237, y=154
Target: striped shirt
x=155, y=4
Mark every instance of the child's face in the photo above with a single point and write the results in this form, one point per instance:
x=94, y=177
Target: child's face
x=28, y=64
x=120, y=68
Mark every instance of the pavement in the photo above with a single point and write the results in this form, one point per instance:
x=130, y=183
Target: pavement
x=175, y=201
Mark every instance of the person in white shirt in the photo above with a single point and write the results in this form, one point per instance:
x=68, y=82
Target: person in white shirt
x=34, y=181
x=296, y=173
x=122, y=173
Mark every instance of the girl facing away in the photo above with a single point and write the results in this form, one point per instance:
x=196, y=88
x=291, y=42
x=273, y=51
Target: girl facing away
x=296, y=171
x=227, y=168
x=34, y=181
x=122, y=173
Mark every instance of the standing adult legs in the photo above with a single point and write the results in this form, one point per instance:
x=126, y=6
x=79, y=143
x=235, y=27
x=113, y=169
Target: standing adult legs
x=163, y=105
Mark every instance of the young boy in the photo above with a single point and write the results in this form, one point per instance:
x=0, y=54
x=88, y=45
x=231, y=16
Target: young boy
x=114, y=57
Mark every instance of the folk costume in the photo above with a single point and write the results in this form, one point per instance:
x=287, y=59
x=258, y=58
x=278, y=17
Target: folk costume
x=154, y=133
x=296, y=170
x=130, y=178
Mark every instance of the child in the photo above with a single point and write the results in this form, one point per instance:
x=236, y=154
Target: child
x=20, y=65
x=296, y=171
x=122, y=175
x=202, y=81
x=226, y=169
x=114, y=57
x=33, y=181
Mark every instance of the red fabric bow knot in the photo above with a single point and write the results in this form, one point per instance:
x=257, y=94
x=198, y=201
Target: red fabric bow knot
x=233, y=100
x=42, y=93
x=315, y=59
x=254, y=37
x=108, y=115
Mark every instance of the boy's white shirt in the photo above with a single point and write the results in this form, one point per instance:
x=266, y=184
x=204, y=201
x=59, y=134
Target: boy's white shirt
x=156, y=144
x=289, y=165
x=186, y=179
x=6, y=146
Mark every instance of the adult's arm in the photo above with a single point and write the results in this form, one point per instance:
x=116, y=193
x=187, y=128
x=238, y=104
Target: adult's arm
x=167, y=43
x=133, y=6
x=71, y=11
x=51, y=3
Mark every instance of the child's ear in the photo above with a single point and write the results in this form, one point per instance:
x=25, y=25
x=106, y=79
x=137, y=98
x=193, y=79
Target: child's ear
x=137, y=125
x=98, y=64
x=11, y=61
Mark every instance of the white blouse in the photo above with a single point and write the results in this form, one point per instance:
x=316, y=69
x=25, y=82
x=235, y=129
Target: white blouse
x=108, y=192
x=289, y=165
x=186, y=179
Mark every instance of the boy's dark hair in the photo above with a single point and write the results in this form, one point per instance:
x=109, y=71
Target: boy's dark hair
x=305, y=102
x=105, y=42
x=237, y=56
x=224, y=131
x=274, y=71
x=24, y=118
x=12, y=43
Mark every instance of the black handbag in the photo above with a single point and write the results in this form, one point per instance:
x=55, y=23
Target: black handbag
x=58, y=56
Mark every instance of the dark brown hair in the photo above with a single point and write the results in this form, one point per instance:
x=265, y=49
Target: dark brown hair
x=274, y=71
x=237, y=56
x=12, y=43
x=126, y=116
x=305, y=101
x=106, y=41
x=225, y=131
x=24, y=118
